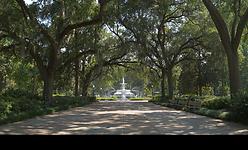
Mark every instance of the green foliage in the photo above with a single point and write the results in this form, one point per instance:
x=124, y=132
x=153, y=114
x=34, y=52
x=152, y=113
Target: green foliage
x=159, y=99
x=16, y=101
x=23, y=104
x=66, y=102
x=17, y=93
x=206, y=75
x=244, y=65
x=106, y=98
x=190, y=97
x=17, y=106
x=25, y=76
x=218, y=114
x=188, y=79
x=216, y=107
x=139, y=99
x=239, y=105
x=216, y=103
x=5, y=106
x=207, y=90
x=18, y=74
x=22, y=100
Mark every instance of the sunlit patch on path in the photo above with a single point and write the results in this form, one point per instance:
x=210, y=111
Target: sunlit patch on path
x=125, y=118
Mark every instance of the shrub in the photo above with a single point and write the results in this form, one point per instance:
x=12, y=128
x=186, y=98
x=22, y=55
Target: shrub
x=219, y=114
x=65, y=102
x=182, y=98
x=22, y=101
x=19, y=108
x=187, y=97
x=17, y=93
x=216, y=103
x=106, y=98
x=5, y=106
x=239, y=105
x=137, y=99
x=206, y=90
x=22, y=104
x=160, y=99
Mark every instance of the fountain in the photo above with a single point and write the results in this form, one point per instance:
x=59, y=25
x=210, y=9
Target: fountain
x=123, y=93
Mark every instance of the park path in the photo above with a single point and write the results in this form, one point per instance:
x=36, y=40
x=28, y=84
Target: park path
x=123, y=118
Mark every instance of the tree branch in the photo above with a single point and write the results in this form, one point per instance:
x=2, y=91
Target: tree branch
x=240, y=30
x=220, y=24
x=71, y=59
x=34, y=21
x=95, y=20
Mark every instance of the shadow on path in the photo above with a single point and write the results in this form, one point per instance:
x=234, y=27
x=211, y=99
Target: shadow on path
x=123, y=118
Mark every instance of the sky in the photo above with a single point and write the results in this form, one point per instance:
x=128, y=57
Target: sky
x=29, y=1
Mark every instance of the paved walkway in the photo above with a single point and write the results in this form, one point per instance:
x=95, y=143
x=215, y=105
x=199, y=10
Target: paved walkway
x=121, y=118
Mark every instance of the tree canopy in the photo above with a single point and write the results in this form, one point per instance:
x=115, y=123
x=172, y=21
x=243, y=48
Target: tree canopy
x=172, y=47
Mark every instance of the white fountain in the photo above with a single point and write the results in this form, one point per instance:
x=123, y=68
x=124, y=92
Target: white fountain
x=123, y=90
x=123, y=93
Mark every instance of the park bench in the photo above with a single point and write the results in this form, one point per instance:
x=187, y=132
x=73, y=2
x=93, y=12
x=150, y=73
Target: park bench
x=182, y=103
x=189, y=104
x=173, y=103
x=194, y=105
x=178, y=104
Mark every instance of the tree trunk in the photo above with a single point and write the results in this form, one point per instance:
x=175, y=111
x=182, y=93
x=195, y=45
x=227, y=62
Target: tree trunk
x=85, y=88
x=234, y=73
x=76, y=88
x=199, y=81
x=223, y=93
x=85, y=82
x=170, y=84
x=34, y=87
x=230, y=44
x=48, y=89
x=163, y=85
x=199, y=90
x=2, y=84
